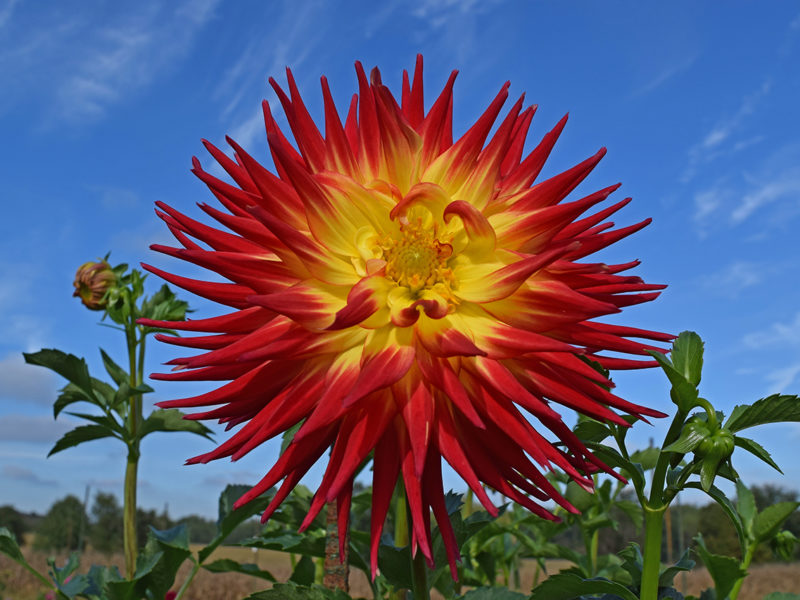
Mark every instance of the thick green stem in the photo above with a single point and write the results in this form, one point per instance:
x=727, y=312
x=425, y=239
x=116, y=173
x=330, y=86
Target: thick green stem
x=748, y=557
x=132, y=467
x=419, y=578
x=653, y=530
x=129, y=513
x=591, y=542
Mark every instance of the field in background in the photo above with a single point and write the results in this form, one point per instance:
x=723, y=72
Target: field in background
x=20, y=585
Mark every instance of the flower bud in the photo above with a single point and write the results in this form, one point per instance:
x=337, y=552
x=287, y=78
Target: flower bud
x=92, y=281
x=783, y=544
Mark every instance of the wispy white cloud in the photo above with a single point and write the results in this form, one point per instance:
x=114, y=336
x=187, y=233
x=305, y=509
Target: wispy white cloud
x=784, y=185
x=734, y=278
x=114, y=197
x=231, y=477
x=23, y=475
x=6, y=11
x=710, y=146
x=742, y=196
x=25, y=384
x=88, y=60
x=787, y=333
x=33, y=428
x=782, y=379
x=665, y=75
x=708, y=201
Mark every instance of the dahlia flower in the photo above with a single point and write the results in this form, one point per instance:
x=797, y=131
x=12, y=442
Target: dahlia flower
x=407, y=297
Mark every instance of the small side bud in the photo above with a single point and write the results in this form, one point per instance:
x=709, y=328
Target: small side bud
x=92, y=281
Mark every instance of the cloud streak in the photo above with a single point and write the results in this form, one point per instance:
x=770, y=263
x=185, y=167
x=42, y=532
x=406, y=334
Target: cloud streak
x=711, y=145
x=87, y=60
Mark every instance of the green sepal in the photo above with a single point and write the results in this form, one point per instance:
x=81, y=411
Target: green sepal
x=687, y=356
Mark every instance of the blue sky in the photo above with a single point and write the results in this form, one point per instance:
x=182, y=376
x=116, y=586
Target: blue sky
x=104, y=104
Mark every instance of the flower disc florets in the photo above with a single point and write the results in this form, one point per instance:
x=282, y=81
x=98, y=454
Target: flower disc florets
x=405, y=295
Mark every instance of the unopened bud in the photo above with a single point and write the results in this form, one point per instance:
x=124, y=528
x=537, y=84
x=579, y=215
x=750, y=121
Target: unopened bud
x=92, y=281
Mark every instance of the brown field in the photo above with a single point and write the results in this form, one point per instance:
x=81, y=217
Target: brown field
x=21, y=585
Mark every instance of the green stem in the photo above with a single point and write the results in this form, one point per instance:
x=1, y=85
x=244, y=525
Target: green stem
x=129, y=513
x=185, y=586
x=651, y=567
x=591, y=542
x=38, y=575
x=132, y=466
x=748, y=557
x=660, y=472
x=419, y=578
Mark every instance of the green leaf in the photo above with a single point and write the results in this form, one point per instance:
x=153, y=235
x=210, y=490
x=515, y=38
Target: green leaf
x=777, y=408
x=633, y=510
x=683, y=393
x=647, y=457
x=171, y=419
x=782, y=596
x=103, y=420
x=226, y=565
x=84, y=433
x=172, y=548
x=591, y=431
x=568, y=586
x=724, y=570
x=163, y=306
x=229, y=518
x=114, y=370
x=70, y=394
x=727, y=507
x=303, y=573
x=745, y=505
x=769, y=521
x=687, y=356
x=668, y=574
x=288, y=435
x=69, y=366
x=756, y=449
x=492, y=593
x=9, y=546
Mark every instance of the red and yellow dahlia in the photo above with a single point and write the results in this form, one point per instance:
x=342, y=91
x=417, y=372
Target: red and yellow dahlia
x=409, y=296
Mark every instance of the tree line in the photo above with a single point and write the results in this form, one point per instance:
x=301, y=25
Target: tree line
x=67, y=525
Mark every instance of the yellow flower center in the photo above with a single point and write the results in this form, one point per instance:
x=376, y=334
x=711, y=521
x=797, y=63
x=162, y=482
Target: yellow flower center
x=417, y=260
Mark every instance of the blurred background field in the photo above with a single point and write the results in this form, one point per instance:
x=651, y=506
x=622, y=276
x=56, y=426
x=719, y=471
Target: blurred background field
x=20, y=585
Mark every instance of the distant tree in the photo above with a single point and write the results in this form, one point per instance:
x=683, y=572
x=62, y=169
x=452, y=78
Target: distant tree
x=201, y=531
x=145, y=519
x=13, y=520
x=61, y=527
x=105, y=533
